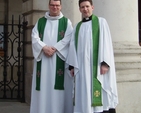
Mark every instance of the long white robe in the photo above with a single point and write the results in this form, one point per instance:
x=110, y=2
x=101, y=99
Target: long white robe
x=49, y=100
x=82, y=60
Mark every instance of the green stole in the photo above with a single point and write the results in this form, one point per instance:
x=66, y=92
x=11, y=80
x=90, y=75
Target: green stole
x=96, y=91
x=59, y=80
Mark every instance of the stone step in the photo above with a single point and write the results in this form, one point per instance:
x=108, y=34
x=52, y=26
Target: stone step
x=126, y=45
x=128, y=75
x=126, y=48
x=128, y=61
x=128, y=58
x=127, y=65
x=127, y=51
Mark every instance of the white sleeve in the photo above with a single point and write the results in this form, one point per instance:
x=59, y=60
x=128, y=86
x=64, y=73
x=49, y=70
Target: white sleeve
x=37, y=44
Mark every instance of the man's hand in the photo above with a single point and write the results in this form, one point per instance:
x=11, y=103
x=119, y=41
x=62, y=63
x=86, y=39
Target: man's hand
x=54, y=49
x=104, y=69
x=72, y=72
x=49, y=51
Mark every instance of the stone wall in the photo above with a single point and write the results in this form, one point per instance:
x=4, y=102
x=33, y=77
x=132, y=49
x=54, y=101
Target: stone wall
x=128, y=70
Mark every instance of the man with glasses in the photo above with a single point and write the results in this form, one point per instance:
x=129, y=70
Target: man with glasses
x=50, y=41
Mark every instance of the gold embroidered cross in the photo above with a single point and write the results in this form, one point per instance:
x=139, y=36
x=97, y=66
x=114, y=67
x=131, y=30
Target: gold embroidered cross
x=60, y=72
x=61, y=34
x=38, y=73
x=96, y=93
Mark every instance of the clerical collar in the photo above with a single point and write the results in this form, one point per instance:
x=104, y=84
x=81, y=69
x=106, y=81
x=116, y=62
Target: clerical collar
x=87, y=19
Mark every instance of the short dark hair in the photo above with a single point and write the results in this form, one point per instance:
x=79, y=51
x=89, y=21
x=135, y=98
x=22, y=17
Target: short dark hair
x=55, y=0
x=80, y=1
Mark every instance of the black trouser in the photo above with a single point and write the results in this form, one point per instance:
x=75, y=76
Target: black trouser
x=110, y=111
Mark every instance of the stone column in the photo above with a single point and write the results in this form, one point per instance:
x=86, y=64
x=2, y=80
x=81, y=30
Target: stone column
x=122, y=17
x=70, y=9
x=32, y=11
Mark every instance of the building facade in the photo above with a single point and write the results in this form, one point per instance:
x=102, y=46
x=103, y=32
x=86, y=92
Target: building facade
x=123, y=19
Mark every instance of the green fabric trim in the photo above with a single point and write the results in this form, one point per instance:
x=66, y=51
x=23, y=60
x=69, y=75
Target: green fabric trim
x=76, y=34
x=96, y=97
x=59, y=81
x=60, y=64
x=41, y=26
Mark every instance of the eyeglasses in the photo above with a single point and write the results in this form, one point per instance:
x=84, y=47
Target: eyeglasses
x=53, y=5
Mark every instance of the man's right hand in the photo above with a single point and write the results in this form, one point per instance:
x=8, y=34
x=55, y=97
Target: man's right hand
x=48, y=51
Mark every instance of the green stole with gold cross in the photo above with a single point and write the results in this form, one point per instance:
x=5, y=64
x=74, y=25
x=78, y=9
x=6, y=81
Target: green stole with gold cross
x=96, y=87
x=59, y=80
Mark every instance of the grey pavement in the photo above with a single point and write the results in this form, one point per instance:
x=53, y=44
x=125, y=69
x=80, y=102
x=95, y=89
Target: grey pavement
x=14, y=107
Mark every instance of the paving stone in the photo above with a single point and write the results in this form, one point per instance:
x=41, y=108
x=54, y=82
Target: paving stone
x=14, y=107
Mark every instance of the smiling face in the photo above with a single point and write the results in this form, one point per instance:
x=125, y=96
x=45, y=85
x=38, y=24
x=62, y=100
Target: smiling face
x=86, y=9
x=54, y=7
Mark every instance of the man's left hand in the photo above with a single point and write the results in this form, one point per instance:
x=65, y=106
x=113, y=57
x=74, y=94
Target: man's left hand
x=104, y=69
